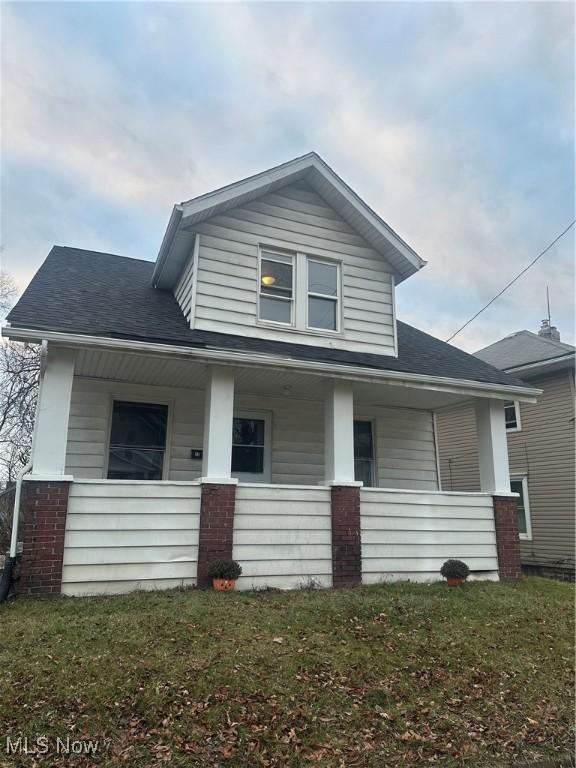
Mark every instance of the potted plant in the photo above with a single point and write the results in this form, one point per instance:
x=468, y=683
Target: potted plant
x=224, y=574
x=455, y=572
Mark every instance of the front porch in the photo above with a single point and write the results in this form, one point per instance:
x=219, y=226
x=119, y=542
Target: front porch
x=165, y=463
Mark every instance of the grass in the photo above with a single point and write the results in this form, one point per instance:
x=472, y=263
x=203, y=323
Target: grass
x=401, y=674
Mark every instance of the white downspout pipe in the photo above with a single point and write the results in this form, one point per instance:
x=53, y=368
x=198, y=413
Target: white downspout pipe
x=29, y=465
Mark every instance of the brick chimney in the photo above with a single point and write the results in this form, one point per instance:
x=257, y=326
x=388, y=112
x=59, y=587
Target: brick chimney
x=549, y=331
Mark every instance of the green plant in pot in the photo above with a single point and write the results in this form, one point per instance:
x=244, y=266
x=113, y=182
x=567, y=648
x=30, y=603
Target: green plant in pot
x=455, y=572
x=224, y=574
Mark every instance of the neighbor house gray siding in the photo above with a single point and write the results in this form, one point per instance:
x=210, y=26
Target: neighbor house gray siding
x=543, y=450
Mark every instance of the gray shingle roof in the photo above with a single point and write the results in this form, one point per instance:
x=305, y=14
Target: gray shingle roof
x=522, y=348
x=87, y=292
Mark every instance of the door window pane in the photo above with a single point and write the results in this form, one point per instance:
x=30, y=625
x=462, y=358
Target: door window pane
x=363, y=452
x=517, y=486
x=248, y=445
x=137, y=441
x=322, y=313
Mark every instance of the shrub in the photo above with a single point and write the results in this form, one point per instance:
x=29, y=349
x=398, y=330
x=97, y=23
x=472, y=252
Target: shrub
x=225, y=569
x=455, y=569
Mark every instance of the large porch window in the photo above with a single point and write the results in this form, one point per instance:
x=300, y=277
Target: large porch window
x=137, y=441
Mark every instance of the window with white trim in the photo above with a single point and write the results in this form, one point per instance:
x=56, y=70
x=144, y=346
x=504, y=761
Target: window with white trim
x=137, y=441
x=276, y=299
x=519, y=485
x=299, y=290
x=512, y=415
x=251, y=454
x=364, y=453
x=323, y=295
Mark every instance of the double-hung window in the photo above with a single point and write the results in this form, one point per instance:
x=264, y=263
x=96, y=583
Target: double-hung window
x=519, y=485
x=323, y=290
x=276, y=287
x=137, y=441
x=512, y=415
x=251, y=447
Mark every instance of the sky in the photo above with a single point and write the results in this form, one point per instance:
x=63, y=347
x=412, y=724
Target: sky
x=454, y=121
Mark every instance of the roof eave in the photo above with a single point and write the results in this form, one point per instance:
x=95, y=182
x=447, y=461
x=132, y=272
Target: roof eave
x=214, y=354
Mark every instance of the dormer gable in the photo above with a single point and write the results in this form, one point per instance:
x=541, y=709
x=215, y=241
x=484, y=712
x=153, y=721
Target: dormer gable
x=292, y=254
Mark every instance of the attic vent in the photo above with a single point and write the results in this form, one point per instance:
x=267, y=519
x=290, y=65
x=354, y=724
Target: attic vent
x=549, y=331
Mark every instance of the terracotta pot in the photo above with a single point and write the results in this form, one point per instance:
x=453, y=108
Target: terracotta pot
x=454, y=581
x=223, y=585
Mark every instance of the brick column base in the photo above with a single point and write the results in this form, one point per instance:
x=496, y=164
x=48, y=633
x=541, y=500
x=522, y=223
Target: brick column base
x=346, y=545
x=216, y=527
x=43, y=509
x=507, y=540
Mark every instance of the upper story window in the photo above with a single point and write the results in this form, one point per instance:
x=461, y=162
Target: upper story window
x=299, y=290
x=512, y=415
x=276, y=287
x=323, y=281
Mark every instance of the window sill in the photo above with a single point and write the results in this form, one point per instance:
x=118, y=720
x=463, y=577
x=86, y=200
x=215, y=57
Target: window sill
x=300, y=331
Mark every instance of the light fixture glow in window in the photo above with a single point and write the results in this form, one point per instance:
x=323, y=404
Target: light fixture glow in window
x=276, y=287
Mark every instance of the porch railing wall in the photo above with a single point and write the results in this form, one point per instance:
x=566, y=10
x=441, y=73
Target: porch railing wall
x=282, y=536
x=122, y=536
x=409, y=534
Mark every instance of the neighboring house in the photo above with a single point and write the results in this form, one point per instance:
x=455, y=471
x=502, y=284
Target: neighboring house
x=540, y=446
x=252, y=394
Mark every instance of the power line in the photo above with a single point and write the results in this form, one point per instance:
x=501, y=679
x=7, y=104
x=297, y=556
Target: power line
x=518, y=276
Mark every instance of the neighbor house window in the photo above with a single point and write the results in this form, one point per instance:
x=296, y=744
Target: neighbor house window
x=364, y=453
x=512, y=415
x=276, y=287
x=251, y=447
x=520, y=485
x=323, y=290
x=137, y=441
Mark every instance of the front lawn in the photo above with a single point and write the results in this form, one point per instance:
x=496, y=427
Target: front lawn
x=480, y=675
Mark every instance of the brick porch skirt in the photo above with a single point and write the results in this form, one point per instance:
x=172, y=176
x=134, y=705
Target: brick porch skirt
x=42, y=526
x=346, y=544
x=507, y=540
x=215, y=537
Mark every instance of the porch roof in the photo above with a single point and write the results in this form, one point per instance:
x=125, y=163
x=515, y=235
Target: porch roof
x=84, y=292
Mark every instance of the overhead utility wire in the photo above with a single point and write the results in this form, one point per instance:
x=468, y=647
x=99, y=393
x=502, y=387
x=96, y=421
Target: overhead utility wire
x=519, y=275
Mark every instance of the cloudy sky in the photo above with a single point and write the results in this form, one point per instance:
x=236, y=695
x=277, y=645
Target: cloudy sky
x=455, y=121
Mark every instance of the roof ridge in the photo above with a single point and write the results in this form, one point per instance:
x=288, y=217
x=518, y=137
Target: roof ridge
x=98, y=253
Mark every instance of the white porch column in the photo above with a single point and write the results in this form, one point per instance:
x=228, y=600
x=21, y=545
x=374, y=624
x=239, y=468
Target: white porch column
x=339, y=433
x=52, y=413
x=492, y=446
x=218, y=415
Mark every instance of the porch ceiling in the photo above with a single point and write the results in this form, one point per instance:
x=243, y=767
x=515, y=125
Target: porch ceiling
x=176, y=372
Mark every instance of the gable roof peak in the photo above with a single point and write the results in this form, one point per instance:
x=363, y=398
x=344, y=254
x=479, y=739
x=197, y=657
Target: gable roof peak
x=324, y=181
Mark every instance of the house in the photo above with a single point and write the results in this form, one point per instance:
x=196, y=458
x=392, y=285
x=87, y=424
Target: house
x=252, y=394
x=540, y=446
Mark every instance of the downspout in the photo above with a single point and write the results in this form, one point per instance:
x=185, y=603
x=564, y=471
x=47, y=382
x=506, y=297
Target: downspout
x=8, y=572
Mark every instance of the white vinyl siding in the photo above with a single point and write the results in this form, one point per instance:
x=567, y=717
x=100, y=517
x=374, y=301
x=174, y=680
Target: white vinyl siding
x=127, y=535
x=282, y=536
x=410, y=535
x=295, y=219
x=89, y=426
x=404, y=437
x=184, y=288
